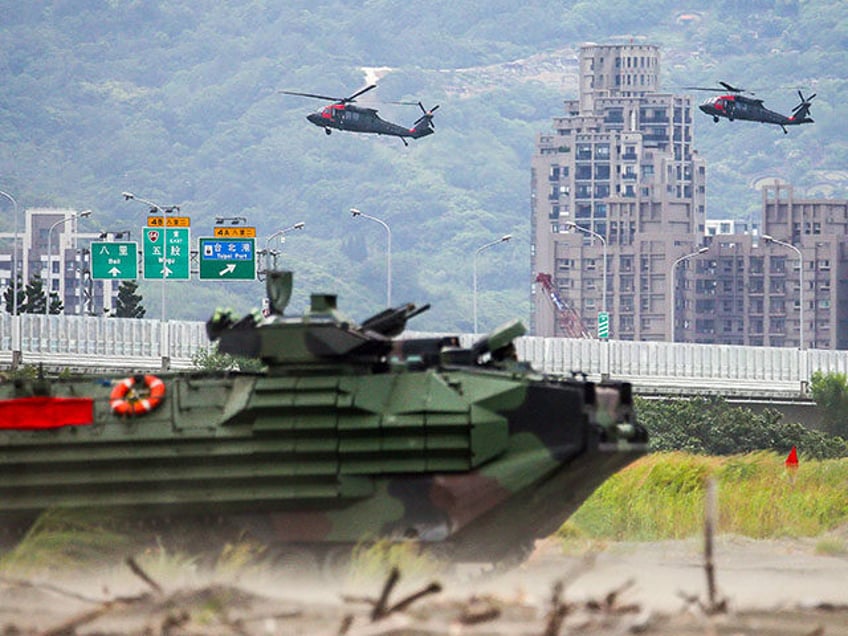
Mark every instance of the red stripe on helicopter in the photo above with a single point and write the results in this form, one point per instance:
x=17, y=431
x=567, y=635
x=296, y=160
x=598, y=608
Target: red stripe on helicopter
x=45, y=412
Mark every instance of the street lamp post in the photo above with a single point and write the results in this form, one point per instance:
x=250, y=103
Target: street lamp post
x=503, y=239
x=129, y=196
x=672, y=286
x=48, y=278
x=281, y=233
x=14, y=255
x=574, y=225
x=771, y=239
x=355, y=212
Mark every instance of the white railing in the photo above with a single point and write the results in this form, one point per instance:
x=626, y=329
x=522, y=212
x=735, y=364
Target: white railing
x=86, y=341
x=96, y=342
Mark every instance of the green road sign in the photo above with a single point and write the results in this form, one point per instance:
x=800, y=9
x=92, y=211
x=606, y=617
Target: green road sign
x=603, y=325
x=114, y=260
x=167, y=253
x=227, y=259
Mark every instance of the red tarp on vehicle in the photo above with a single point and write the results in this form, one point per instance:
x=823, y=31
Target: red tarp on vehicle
x=45, y=412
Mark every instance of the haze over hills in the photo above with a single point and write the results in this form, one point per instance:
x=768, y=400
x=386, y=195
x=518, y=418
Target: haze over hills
x=178, y=102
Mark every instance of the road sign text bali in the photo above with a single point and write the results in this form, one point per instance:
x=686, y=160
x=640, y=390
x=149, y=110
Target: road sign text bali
x=114, y=260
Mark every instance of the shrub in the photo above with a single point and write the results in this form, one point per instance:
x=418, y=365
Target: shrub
x=710, y=426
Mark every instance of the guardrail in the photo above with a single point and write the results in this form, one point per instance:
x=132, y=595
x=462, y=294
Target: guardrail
x=113, y=343
x=98, y=342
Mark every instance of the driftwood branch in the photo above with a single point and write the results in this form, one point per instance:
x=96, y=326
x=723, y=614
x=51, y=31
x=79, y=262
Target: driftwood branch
x=49, y=588
x=140, y=573
x=558, y=611
x=379, y=611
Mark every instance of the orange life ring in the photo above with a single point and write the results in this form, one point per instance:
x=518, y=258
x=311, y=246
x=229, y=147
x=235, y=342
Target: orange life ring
x=125, y=400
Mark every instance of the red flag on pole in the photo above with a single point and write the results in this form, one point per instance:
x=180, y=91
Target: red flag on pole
x=792, y=459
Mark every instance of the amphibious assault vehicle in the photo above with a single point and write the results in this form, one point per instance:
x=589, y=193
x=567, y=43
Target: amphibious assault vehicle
x=348, y=432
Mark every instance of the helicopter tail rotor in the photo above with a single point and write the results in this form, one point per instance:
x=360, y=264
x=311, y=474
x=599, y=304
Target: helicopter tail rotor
x=802, y=111
x=427, y=116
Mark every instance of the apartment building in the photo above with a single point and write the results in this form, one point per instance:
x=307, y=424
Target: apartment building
x=53, y=243
x=785, y=287
x=617, y=176
x=618, y=205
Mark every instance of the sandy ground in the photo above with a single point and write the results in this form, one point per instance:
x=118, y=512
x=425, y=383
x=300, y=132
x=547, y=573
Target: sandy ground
x=773, y=588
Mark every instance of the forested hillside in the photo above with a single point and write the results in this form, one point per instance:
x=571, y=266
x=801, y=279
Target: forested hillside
x=178, y=102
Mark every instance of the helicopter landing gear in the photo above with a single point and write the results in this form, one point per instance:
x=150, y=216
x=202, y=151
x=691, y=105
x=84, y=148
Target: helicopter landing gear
x=327, y=131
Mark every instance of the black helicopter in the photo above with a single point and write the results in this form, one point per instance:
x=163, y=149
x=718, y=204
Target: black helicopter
x=732, y=104
x=343, y=115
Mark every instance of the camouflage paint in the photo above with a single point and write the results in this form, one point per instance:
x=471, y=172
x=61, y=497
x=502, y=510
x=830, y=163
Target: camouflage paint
x=349, y=433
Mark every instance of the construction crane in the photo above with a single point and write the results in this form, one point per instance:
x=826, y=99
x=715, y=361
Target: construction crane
x=569, y=320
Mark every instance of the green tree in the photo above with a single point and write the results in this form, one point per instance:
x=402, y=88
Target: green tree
x=35, y=297
x=56, y=305
x=8, y=301
x=128, y=303
x=830, y=391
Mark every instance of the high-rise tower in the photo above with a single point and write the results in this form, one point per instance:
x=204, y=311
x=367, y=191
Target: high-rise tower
x=620, y=165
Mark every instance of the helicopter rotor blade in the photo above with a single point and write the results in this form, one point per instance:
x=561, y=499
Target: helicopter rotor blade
x=732, y=89
x=725, y=88
x=334, y=99
x=358, y=93
x=340, y=100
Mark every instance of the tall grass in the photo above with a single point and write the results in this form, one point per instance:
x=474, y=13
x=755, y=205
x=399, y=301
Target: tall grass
x=662, y=497
x=60, y=539
x=659, y=497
